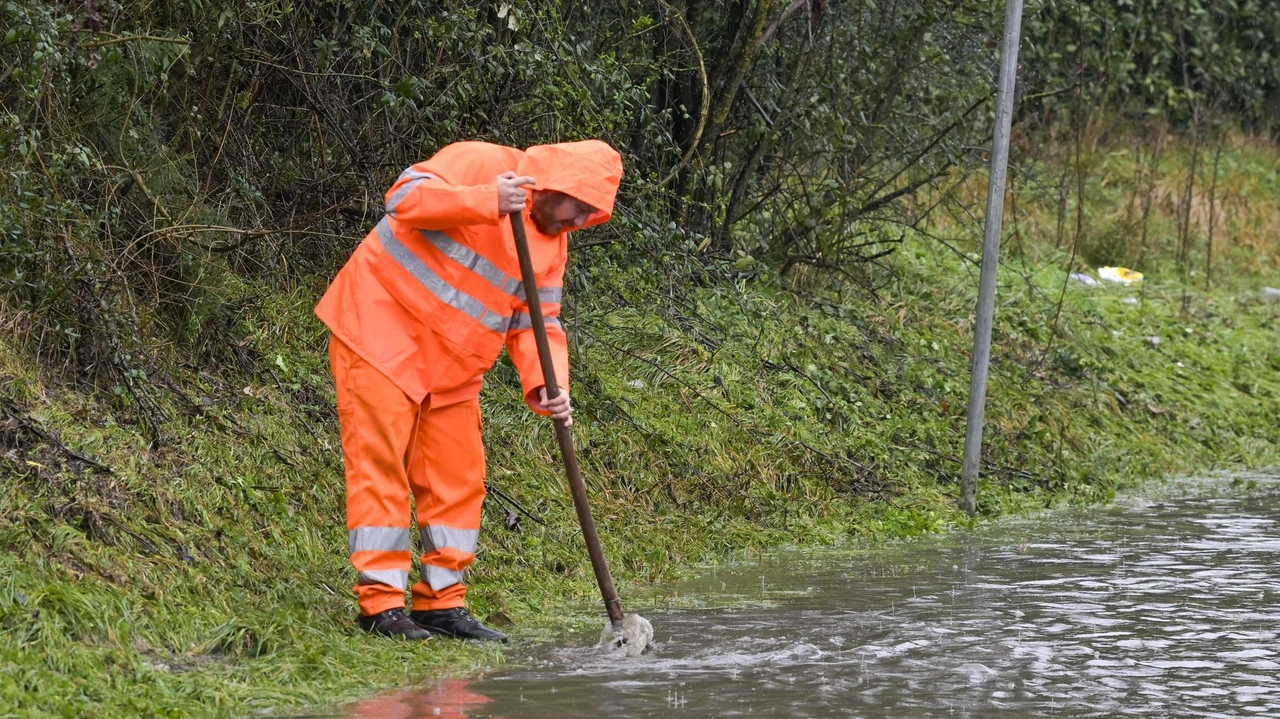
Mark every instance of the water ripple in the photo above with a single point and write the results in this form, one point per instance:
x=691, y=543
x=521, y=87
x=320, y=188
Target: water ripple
x=1164, y=608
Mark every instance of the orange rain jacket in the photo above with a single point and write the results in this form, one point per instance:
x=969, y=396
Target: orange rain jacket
x=433, y=293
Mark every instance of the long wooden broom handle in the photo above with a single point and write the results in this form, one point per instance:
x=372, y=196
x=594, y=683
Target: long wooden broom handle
x=612, y=604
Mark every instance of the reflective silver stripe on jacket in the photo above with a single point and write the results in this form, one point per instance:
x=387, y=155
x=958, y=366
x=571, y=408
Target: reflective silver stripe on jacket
x=522, y=321
x=438, y=536
x=397, y=578
x=388, y=539
x=492, y=274
x=417, y=178
x=412, y=174
x=472, y=260
x=545, y=294
x=436, y=285
x=438, y=577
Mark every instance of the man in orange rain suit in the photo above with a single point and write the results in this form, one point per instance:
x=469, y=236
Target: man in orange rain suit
x=418, y=314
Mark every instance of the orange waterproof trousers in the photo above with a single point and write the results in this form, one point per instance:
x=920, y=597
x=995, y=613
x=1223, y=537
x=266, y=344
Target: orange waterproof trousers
x=392, y=446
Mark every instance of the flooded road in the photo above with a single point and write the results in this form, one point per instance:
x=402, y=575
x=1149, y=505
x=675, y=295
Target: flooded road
x=1160, y=607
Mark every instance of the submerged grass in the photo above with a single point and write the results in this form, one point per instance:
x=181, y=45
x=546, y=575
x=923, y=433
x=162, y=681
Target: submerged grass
x=204, y=574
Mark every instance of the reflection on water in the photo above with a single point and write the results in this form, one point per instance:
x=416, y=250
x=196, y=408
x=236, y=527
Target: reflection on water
x=1159, y=609
x=451, y=699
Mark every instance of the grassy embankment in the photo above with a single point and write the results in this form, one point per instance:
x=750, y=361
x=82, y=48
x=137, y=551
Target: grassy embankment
x=207, y=576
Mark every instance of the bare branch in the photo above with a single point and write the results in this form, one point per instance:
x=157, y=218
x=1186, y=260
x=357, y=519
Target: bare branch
x=706, y=95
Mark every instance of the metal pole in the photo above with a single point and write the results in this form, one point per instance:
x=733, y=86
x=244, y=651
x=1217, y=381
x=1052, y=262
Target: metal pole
x=990, y=257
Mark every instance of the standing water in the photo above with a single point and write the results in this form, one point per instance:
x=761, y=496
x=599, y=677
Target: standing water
x=1158, y=608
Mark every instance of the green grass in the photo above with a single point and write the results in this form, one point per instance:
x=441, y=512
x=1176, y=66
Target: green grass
x=206, y=575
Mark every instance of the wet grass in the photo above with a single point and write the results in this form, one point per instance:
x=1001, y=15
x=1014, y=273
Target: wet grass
x=204, y=573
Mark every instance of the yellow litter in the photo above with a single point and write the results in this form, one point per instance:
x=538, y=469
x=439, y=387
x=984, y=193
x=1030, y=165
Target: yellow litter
x=1123, y=275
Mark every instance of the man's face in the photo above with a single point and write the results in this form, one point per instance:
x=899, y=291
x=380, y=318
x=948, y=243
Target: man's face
x=555, y=212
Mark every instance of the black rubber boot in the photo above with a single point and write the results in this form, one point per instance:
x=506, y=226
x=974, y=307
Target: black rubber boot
x=456, y=622
x=393, y=623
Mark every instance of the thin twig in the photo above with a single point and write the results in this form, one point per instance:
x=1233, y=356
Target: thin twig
x=759, y=108
x=706, y=96
x=129, y=38
x=492, y=489
x=29, y=424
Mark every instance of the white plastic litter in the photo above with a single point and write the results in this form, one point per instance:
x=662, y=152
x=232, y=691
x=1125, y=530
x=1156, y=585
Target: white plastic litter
x=1271, y=293
x=1085, y=278
x=635, y=637
x=1123, y=275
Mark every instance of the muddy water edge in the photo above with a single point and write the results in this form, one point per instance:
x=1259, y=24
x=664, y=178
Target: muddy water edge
x=1165, y=604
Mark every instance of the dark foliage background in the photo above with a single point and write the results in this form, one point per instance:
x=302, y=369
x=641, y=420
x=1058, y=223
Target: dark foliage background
x=165, y=161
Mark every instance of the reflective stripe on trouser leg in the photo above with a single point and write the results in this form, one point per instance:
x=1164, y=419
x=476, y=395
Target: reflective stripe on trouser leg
x=376, y=420
x=395, y=578
x=377, y=546
x=387, y=539
x=451, y=549
x=446, y=471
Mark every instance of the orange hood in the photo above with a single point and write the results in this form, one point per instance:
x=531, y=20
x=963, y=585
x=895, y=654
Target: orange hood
x=589, y=170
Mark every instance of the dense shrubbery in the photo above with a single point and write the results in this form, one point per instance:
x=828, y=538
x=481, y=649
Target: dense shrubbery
x=159, y=155
x=1189, y=62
